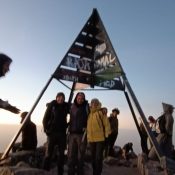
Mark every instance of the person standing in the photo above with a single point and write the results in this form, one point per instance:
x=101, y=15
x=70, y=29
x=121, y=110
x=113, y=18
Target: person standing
x=5, y=63
x=98, y=129
x=77, y=129
x=55, y=124
x=113, y=120
x=164, y=138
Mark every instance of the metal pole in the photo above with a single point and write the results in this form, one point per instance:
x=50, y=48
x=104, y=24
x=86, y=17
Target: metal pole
x=71, y=93
x=133, y=113
x=6, y=152
x=143, y=118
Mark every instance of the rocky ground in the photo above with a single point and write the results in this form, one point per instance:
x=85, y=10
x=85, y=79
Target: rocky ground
x=26, y=162
x=29, y=162
x=119, y=168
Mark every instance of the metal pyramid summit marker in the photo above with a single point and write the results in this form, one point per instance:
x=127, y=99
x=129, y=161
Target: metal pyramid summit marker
x=91, y=59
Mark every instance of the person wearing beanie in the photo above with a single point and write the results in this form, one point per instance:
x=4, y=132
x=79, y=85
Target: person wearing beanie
x=5, y=63
x=77, y=129
x=164, y=138
x=98, y=129
x=55, y=125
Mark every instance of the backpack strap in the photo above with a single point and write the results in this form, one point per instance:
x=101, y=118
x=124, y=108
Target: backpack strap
x=102, y=124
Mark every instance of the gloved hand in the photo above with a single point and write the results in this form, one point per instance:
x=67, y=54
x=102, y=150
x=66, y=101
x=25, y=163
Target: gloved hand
x=13, y=109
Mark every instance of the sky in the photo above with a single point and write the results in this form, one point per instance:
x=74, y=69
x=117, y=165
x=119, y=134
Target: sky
x=36, y=34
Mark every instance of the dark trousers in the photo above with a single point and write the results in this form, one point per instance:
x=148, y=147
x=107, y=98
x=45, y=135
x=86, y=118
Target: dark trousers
x=97, y=149
x=111, y=141
x=59, y=140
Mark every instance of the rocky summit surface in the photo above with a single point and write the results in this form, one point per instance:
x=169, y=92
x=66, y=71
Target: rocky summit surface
x=30, y=162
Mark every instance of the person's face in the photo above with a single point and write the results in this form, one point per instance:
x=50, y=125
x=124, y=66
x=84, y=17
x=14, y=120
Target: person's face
x=105, y=111
x=60, y=99
x=5, y=68
x=80, y=99
x=114, y=113
x=94, y=104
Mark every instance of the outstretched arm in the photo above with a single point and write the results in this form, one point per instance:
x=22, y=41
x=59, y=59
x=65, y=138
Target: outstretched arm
x=5, y=105
x=13, y=109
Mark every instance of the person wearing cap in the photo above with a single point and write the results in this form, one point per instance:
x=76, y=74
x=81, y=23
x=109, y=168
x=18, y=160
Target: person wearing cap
x=55, y=125
x=113, y=120
x=98, y=129
x=77, y=134
x=29, y=135
x=5, y=63
x=164, y=138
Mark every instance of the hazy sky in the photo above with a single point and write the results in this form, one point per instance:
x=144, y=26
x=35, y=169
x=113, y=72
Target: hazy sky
x=36, y=34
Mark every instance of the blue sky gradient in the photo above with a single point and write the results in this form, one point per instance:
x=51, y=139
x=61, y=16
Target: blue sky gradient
x=36, y=34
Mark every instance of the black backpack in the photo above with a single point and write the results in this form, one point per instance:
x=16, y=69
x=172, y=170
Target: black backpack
x=162, y=122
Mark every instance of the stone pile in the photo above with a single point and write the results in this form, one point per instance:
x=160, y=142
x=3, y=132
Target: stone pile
x=30, y=162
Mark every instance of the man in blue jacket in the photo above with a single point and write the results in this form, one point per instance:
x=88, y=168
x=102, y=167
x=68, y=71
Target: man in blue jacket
x=77, y=127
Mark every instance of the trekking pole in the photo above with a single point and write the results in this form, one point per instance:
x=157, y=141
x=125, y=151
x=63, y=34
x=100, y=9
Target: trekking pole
x=84, y=135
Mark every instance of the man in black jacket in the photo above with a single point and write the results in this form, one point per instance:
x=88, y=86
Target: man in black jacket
x=55, y=124
x=113, y=120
